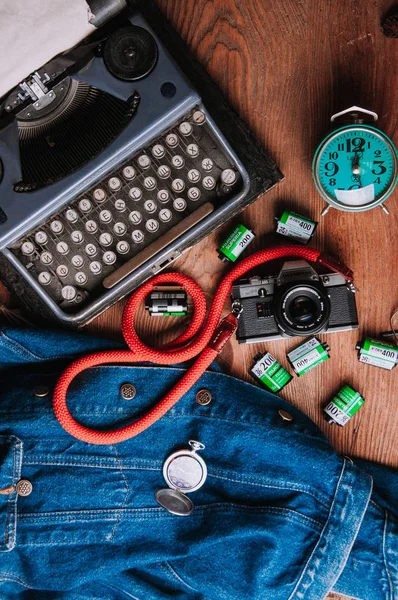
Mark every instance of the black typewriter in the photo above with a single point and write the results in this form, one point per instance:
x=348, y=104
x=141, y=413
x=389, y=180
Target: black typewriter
x=115, y=158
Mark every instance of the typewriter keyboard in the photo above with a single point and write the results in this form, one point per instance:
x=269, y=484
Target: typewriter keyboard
x=81, y=250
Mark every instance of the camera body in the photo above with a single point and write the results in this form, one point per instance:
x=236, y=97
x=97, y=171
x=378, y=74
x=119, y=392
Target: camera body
x=297, y=302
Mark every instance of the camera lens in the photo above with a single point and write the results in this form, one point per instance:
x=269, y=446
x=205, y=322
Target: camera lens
x=302, y=309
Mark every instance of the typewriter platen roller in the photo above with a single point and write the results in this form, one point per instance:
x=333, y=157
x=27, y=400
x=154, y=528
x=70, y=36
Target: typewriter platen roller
x=114, y=160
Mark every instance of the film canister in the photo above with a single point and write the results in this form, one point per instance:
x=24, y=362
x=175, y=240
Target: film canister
x=308, y=355
x=269, y=372
x=237, y=241
x=343, y=406
x=169, y=301
x=295, y=226
x=378, y=354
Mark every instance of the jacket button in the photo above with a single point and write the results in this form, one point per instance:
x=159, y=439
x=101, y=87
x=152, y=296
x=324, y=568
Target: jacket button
x=284, y=415
x=24, y=487
x=40, y=391
x=128, y=391
x=203, y=397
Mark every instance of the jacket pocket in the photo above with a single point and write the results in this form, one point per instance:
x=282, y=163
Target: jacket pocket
x=10, y=469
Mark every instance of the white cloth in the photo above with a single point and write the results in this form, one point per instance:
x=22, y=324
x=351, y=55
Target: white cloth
x=32, y=32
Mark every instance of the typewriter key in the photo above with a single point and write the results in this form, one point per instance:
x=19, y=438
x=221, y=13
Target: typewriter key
x=46, y=258
x=179, y=204
x=137, y=236
x=91, y=226
x=199, y=117
x=62, y=248
x=129, y=172
x=41, y=237
x=172, y=140
x=105, y=216
x=62, y=271
x=193, y=175
x=165, y=215
x=91, y=250
x=209, y=183
x=150, y=206
x=109, y=257
x=150, y=183
x=120, y=228
x=193, y=150
x=85, y=205
x=144, y=161
x=164, y=171
x=228, y=176
x=69, y=293
x=194, y=194
x=28, y=248
x=99, y=195
x=122, y=247
x=44, y=278
x=163, y=196
x=95, y=267
x=178, y=185
x=81, y=278
x=152, y=225
x=158, y=151
x=77, y=261
x=177, y=161
x=71, y=215
x=106, y=239
x=207, y=164
x=135, y=194
x=114, y=184
x=135, y=217
x=185, y=128
x=77, y=237
x=120, y=205
x=56, y=226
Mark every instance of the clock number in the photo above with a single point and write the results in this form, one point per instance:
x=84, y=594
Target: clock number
x=378, y=153
x=382, y=169
x=358, y=144
x=332, y=181
x=340, y=147
x=331, y=169
x=333, y=155
x=356, y=186
x=377, y=180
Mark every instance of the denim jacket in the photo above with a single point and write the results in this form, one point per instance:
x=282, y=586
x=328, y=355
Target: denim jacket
x=281, y=516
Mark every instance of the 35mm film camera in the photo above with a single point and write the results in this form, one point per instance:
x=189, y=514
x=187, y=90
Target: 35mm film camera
x=297, y=302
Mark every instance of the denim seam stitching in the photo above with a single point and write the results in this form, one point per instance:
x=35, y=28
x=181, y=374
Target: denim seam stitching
x=391, y=593
x=147, y=513
x=18, y=348
x=291, y=597
x=169, y=570
x=248, y=480
x=15, y=581
x=12, y=502
x=15, y=577
x=93, y=465
x=125, y=497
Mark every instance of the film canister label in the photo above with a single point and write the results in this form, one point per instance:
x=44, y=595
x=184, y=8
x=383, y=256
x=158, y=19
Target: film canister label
x=236, y=243
x=308, y=355
x=295, y=226
x=343, y=406
x=378, y=354
x=271, y=373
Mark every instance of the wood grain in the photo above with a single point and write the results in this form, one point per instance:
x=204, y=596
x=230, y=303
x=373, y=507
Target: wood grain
x=286, y=67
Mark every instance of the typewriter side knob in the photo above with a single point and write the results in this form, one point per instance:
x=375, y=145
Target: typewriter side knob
x=130, y=53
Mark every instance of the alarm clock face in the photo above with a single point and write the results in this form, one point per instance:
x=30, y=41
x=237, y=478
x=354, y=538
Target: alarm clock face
x=355, y=168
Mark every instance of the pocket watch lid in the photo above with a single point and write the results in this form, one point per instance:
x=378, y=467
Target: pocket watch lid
x=174, y=502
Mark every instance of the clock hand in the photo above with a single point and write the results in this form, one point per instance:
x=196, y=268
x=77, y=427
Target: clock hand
x=356, y=169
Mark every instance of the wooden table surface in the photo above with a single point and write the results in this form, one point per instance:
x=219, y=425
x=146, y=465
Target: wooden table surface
x=286, y=67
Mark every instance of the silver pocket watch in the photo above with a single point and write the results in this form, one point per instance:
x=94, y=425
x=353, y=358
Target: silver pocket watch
x=184, y=472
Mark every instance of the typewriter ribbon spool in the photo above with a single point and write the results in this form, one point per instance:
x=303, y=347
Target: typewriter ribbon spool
x=206, y=339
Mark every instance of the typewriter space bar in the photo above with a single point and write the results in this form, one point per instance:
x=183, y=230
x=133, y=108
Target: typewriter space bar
x=150, y=251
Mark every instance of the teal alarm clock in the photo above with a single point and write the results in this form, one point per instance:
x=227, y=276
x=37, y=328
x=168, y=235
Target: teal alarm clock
x=355, y=168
